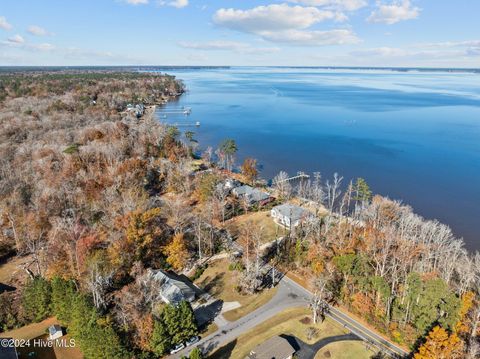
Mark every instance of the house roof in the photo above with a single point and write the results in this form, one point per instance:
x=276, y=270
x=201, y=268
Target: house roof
x=274, y=348
x=243, y=190
x=252, y=194
x=172, y=289
x=54, y=329
x=291, y=211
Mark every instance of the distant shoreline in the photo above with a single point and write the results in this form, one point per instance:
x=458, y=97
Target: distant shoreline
x=193, y=67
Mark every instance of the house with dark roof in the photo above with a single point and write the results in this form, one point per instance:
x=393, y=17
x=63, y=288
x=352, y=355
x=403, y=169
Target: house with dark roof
x=251, y=195
x=274, y=348
x=172, y=289
x=289, y=215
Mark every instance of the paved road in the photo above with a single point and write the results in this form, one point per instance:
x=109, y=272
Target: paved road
x=286, y=297
x=354, y=326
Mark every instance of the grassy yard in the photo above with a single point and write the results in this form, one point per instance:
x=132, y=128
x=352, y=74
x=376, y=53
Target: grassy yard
x=344, y=350
x=38, y=331
x=271, y=231
x=295, y=321
x=220, y=282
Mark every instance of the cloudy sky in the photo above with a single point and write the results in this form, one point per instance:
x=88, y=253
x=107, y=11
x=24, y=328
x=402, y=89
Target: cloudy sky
x=439, y=33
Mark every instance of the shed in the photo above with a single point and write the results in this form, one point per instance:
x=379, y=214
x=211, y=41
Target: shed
x=55, y=332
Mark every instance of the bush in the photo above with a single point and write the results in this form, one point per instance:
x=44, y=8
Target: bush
x=198, y=272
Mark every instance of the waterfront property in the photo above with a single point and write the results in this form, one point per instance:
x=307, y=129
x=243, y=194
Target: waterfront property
x=274, y=348
x=228, y=185
x=388, y=127
x=289, y=215
x=251, y=195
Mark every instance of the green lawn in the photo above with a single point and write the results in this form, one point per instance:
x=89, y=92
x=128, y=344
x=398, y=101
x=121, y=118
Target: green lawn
x=295, y=321
x=271, y=231
x=220, y=282
x=38, y=331
x=345, y=350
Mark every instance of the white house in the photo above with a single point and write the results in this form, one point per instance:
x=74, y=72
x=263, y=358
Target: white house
x=228, y=185
x=289, y=215
x=55, y=332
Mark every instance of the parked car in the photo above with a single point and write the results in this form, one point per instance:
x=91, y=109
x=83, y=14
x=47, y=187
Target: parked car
x=192, y=340
x=177, y=348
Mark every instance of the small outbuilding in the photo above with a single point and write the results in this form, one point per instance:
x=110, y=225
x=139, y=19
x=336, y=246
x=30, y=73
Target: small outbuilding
x=274, y=348
x=289, y=215
x=55, y=332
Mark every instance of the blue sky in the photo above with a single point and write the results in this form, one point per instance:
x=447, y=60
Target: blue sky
x=439, y=33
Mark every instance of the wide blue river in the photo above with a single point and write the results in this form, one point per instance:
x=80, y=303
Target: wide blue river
x=414, y=136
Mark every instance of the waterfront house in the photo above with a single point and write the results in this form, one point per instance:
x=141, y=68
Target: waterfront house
x=251, y=195
x=172, y=289
x=228, y=185
x=289, y=215
x=55, y=332
x=274, y=348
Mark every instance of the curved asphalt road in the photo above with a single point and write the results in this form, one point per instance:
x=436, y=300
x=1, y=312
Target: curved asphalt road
x=289, y=295
x=286, y=297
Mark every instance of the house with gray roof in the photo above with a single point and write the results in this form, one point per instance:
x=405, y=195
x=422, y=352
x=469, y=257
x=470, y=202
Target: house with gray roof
x=228, y=185
x=289, y=215
x=250, y=194
x=172, y=289
x=274, y=348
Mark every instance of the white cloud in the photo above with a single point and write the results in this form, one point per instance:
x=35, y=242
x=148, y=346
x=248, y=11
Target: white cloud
x=381, y=52
x=42, y=47
x=221, y=45
x=473, y=51
x=413, y=53
x=136, y=2
x=37, y=31
x=394, y=12
x=313, y=38
x=474, y=43
x=175, y=3
x=286, y=24
x=348, y=5
x=4, y=24
x=275, y=17
x=16, y=40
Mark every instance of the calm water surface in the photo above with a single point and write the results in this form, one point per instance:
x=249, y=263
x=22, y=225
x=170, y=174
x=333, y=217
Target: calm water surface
x=413, y=136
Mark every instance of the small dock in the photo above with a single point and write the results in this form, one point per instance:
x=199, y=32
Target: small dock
x=180, y=111
x=299, y=176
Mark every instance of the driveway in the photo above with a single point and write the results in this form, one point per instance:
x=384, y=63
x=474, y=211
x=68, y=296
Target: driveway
x=308, y=351
x=286, y=297
x=289, y=295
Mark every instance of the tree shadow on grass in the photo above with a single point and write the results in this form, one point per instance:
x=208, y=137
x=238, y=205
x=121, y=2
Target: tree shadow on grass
x=224, y=352
x=215, y=285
